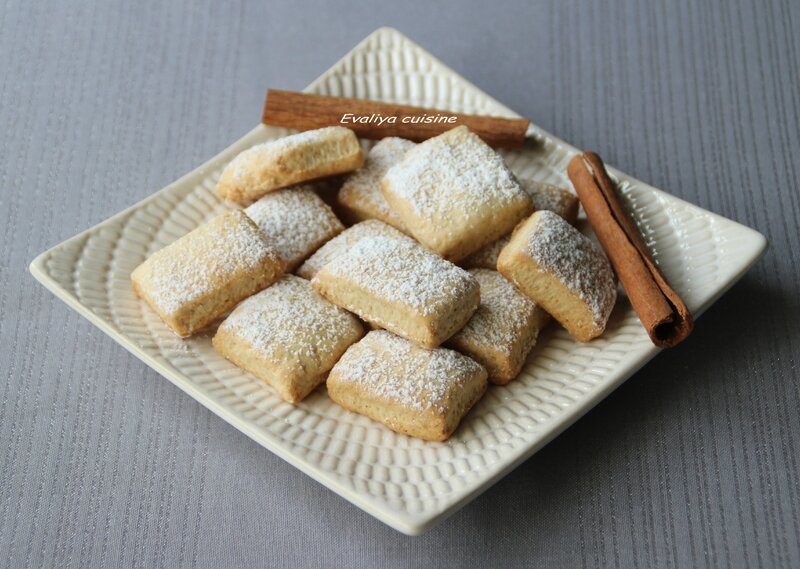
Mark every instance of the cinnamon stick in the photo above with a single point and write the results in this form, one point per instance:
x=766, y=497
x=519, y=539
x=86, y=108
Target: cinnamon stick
x=661, y=311
x=374, y=120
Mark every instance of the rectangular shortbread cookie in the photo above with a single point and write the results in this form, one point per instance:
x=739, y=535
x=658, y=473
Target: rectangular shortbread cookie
x=552, y=198
x=296, y=222
x=360, y=196
x=502, y=331
x=288, y=336
x=563, y=271
x=545, y=197
x=346, y=239
x=455, y=194
x=206, y=272
x=401, y=286
x=414, y=391
x=290, y=160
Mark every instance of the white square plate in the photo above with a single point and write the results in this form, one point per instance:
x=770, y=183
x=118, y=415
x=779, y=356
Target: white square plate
x=407, y=483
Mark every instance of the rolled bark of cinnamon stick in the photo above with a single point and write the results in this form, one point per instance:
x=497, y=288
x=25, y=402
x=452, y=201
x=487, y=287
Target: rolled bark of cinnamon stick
x=374, y=120
x=662, y=312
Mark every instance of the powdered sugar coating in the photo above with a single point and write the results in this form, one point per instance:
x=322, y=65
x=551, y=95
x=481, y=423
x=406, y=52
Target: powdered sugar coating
x=551, y=198
x=361, y=191
x=544, y=197
x=503, y=316
x=296, y=222
x=241, y=167
x=453, y=172
x=291, y=160
x=403, y=272
x=290, y=322
x=208, y=258
x=563, y=251
x=396, y=370
x=344, y=241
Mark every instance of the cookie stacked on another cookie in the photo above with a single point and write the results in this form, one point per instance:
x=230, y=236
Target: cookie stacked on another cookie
x=455, y=194
x=344, y=241
x=288, y=161
x=564, y=271
x=401, y=286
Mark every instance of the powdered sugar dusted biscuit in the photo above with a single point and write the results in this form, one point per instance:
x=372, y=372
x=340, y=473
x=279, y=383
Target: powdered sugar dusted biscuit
x=290, y=160
x=455, y=194
x=563, y=271
x=346, y=239
x=414, y=391
x=401, y=286
x=360, y=196
x=296, y=222
x=545, y=197
x=502, y=331
x=552, y=198
x=206, y=272
x=288, y=336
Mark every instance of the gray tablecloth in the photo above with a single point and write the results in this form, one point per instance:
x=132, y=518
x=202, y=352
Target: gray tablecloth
x=692, y=463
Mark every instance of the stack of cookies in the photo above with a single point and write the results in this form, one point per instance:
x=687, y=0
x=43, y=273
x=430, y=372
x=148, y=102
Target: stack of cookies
x=449, y=269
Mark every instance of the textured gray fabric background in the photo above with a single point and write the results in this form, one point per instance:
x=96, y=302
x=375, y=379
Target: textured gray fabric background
x=692, y=463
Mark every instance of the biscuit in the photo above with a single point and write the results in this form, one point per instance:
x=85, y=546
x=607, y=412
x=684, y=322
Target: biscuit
x=346, y=239
x=401, y=286
x=207, y=271
x=552, y=198
x=502, y=331
x=455, y=194
x=296, y=222
x=360, y=196
x=288, y=336
x=290, y=160
x=414, y=391
x=563, y=271
x=545, y=197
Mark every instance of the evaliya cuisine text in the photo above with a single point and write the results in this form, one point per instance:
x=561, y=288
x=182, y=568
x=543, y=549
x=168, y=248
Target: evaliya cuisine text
x=379, y=119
